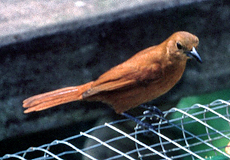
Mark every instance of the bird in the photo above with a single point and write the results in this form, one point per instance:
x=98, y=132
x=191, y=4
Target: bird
x=145, y=76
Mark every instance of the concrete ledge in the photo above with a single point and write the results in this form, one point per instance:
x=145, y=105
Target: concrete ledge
x=25, y=20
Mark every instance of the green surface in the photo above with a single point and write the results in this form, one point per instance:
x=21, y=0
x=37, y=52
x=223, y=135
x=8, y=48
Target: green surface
x=199, y=129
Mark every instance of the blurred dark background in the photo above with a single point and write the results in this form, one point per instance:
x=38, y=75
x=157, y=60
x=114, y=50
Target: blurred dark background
x=40, y=53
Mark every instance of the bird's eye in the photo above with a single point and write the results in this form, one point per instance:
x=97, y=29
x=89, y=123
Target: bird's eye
x=179, y=46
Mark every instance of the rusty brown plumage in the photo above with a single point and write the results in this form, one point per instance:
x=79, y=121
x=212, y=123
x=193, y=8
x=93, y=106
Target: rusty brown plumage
x=147, y=75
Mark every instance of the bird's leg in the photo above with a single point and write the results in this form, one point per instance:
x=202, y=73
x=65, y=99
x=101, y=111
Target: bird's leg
x=139, y=122
x=152, y=113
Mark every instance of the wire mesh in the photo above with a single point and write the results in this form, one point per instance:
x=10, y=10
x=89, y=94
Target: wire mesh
x=196, y=132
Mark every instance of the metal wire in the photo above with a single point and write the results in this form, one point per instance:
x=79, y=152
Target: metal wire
x=199, y=131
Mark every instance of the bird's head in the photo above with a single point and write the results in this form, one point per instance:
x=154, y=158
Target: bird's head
x=182, y=45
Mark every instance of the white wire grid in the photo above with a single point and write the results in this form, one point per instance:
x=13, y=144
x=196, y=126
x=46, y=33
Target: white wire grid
x=168, y=139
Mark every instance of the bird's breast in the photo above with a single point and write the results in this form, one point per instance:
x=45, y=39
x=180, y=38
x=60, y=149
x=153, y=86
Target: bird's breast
x=172, y=74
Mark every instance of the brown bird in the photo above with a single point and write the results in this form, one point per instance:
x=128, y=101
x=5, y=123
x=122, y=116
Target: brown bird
x=145, y=76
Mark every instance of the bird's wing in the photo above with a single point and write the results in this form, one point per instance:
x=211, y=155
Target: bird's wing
x=124, y=76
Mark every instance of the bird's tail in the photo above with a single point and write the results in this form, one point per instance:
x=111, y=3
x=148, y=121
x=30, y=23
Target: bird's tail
x=54, y=98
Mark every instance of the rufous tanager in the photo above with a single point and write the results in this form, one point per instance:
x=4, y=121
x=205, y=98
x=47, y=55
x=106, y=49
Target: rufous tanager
x=145, y=76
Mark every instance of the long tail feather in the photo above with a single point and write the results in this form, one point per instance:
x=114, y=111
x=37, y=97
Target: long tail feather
x=54, y=98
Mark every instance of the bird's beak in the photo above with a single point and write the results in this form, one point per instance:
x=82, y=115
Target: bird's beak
x=193, y=54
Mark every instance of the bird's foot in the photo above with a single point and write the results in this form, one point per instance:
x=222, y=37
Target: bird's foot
x=151, y=115
x=152, y=112
x=138, y=121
